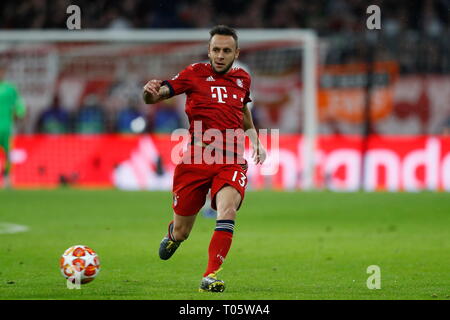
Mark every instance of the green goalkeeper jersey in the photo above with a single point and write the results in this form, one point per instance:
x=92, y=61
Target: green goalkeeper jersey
x=11, y=104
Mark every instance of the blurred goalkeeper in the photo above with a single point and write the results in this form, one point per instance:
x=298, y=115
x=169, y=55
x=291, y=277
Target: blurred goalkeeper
x=12, y=107
x=217, y=96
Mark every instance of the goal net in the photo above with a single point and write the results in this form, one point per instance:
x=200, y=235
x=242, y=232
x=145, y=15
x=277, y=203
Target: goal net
x=110, y=67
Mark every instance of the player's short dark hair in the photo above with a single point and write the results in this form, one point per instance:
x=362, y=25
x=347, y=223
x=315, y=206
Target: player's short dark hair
x=224, y=30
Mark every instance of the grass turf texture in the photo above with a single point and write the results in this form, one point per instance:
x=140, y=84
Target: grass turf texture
x=287, y=245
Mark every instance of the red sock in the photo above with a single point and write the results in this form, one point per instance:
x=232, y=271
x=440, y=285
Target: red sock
x=218, y=249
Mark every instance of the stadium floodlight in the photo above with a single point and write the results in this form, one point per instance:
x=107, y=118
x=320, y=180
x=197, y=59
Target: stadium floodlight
x=51, y=55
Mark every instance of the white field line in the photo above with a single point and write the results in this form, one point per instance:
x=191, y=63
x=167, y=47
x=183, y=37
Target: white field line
x=9, y=228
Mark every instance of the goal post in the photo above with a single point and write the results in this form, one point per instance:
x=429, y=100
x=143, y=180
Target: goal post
x=248, y=39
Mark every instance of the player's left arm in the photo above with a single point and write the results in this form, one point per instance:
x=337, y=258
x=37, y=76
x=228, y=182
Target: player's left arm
x=259, y=154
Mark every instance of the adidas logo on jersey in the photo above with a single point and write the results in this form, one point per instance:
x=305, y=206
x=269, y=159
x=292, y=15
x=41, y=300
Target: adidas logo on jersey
x=210, y=78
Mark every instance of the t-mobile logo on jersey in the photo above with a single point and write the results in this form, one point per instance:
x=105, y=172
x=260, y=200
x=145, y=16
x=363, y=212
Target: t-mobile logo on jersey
x=219, y=95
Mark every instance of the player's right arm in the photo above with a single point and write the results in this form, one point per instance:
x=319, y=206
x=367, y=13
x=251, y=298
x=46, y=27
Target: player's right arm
x=155, y=92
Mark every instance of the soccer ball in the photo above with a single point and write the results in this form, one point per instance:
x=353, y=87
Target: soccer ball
x=79, y=264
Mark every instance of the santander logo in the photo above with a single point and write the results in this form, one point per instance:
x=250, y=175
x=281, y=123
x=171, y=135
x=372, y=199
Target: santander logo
x=391, y=163
x=388, y=169
x=394, y=165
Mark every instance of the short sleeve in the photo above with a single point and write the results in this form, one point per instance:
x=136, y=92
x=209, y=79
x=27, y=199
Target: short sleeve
x=181, y=83
x=247, y=98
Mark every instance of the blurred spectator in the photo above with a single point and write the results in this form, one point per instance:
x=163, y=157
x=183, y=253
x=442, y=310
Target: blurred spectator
x=446, y=126
x=166, y=14
x=116, y=20
x=90, y=118
x=130, y=120
x=412, y=33
x=54, y=120
x=325, y=16
x=165, y=117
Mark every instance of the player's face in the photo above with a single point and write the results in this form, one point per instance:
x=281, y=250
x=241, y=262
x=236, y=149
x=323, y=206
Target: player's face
x=222, y=52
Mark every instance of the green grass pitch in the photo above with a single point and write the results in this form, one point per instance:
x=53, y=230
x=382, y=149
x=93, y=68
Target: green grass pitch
x=287, y=245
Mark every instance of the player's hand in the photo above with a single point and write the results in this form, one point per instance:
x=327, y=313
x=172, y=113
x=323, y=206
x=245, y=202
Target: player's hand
x=153, y=87
x=259, y=154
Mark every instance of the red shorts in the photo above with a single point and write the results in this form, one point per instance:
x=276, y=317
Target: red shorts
x=191, y=183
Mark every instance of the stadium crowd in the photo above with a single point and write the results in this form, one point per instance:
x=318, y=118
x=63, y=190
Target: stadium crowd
x=325, y=16
x=94, y=117
x=414, y=33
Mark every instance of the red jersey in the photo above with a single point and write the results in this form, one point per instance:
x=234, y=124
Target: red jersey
x=215, y=99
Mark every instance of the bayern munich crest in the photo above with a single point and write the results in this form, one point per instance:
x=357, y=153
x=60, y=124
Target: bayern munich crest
x=240, y=83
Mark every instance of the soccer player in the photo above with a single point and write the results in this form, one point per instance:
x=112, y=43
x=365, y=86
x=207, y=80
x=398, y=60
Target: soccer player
x=11, y=106
x=217, y=97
